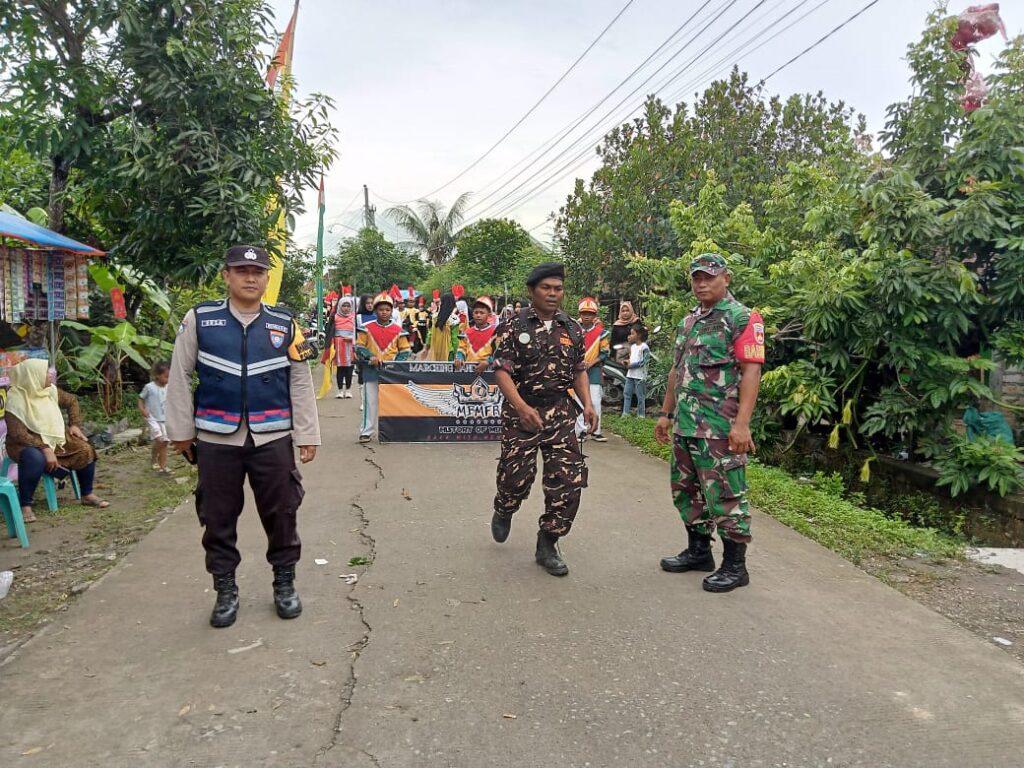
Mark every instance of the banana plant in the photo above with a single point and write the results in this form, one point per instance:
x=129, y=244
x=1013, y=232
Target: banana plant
x=100, y=362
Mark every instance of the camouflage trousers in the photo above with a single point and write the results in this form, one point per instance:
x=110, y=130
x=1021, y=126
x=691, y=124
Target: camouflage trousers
x=709, y=487
x=565, y=471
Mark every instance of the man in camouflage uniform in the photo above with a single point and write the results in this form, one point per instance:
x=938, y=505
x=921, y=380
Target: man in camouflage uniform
x=712, y=389
x=540, y=356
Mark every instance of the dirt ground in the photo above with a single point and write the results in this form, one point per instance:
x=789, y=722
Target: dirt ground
x=986, y=599
x=74, y=546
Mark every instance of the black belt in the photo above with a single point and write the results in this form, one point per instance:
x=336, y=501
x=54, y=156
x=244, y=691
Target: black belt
x=543, y=401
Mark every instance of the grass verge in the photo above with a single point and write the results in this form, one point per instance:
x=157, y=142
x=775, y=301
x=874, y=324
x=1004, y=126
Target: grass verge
x=857, y=533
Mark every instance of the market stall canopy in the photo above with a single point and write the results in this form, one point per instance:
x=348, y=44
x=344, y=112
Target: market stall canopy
x=23, y=229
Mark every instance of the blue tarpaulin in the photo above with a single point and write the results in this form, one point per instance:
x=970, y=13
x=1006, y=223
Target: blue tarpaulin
x=23, y=229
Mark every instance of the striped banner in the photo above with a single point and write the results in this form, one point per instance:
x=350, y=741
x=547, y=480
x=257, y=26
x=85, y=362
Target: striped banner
x=431, y=402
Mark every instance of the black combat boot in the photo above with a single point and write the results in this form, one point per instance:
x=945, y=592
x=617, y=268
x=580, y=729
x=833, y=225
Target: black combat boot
x=696, y=557
x=733, y=572
x=500, y=527
x=286, y=599
x=225, y=611
x=548, y=556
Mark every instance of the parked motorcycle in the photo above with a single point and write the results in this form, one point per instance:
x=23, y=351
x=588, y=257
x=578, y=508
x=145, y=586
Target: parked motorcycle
x=615, y=378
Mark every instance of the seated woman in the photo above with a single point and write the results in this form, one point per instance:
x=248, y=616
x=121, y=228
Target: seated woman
x=36, y=436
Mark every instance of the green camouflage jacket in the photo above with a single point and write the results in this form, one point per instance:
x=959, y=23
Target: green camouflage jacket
x=710, y=345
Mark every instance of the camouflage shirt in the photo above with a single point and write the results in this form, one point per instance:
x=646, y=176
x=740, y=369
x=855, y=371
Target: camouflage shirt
x=710, y=345
x=543, y=364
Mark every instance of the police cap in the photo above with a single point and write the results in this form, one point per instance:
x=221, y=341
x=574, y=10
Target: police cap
x=240, y=255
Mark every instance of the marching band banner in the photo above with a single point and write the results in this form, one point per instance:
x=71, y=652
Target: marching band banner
x=431, y=402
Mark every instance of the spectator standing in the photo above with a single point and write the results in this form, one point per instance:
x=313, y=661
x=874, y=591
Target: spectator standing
x=153, y=406
x=596, y=346
x=620, y=332
x=636, y=372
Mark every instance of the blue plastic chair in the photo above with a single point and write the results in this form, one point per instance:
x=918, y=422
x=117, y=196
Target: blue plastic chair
x=12, y=511
x=49, y=485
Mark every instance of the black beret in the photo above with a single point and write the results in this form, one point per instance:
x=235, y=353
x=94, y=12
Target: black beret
x=547, y=269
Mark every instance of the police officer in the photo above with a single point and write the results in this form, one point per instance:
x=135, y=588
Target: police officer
x=254, y=400
x=539, y=358
x=711, y=392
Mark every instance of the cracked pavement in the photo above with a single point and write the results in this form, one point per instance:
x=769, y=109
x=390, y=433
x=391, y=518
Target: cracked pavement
x=457, y=652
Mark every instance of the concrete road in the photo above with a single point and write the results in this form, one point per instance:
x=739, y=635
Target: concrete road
x=456, y=651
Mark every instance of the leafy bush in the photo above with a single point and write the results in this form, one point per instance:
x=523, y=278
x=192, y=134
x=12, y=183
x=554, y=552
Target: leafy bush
x=885, y=281
x=985, y=460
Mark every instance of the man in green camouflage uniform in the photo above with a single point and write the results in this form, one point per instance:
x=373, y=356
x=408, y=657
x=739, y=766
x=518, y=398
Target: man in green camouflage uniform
x=711, y=393
x=539, y=358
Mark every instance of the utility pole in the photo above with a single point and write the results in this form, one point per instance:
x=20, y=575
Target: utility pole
x=369, y=211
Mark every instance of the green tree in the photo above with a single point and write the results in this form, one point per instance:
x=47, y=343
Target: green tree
x=159, y=133
x=299, y=271
x=431, y=230
x=372, y=263
x=491, y=247
x=884, y=294
x=734, y=128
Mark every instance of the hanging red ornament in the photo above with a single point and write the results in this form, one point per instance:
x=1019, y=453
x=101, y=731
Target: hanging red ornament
x=117, y=300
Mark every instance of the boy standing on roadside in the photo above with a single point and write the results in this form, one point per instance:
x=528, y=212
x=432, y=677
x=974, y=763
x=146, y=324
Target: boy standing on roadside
x=152, y=406
x=636, y=372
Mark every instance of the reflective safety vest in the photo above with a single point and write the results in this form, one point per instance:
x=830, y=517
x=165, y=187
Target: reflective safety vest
x=244, y=371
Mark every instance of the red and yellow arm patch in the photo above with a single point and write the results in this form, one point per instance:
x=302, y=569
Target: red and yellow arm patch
x=749, y=347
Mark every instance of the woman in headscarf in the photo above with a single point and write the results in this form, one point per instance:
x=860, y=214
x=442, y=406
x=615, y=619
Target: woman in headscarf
x=344, y=344
x=442, y=331
x=619, y=340
x=366, y=312
x=38, y=439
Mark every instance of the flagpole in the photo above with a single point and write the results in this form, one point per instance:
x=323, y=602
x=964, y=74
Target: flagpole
x=320, y=262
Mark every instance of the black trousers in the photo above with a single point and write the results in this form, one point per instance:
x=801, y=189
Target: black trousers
x=276, y=486
x=345, y=376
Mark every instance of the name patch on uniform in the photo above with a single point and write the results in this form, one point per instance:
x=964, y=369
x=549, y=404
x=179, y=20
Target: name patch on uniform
x=273, y=327
x=277, y=338
x=566, y=342
x=209, y=323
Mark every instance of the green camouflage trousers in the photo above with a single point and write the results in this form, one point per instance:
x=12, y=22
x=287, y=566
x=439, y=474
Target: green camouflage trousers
x=565, y=472
x=709, y=487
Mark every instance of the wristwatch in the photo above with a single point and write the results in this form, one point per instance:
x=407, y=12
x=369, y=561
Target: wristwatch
x=666, y=415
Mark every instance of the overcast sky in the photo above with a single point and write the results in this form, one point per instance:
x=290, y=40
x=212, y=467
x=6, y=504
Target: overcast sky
x=424, y=87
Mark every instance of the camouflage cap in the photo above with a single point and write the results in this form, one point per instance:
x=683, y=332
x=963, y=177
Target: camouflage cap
x=711, y=263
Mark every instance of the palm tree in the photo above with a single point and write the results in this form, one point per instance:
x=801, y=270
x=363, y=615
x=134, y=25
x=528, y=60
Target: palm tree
x=429, y=228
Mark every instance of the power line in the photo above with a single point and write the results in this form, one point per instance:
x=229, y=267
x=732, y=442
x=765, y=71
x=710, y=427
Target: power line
x=818, y=42
x=580, y=159
x=551, y=143
x=727, y=60
x=532, y=109
x=589, y=135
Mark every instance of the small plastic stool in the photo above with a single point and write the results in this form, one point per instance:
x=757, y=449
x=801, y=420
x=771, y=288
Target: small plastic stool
x=49, y=484
x=12, y=511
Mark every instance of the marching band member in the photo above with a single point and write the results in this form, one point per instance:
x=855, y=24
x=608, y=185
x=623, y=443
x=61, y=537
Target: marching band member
x=379, y=340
